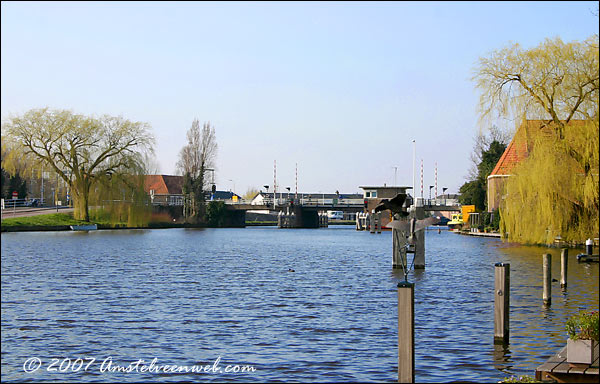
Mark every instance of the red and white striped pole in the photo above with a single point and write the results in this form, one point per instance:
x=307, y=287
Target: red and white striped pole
x=436, y=194
x=421, y=178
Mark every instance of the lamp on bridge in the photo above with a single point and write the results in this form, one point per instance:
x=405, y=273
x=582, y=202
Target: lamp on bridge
x=444, y=193
x=288, y=188
x=431, y=186
x=267, y=188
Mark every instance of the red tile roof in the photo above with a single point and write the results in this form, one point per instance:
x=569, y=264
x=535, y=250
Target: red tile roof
x=164, y=184
x=522, y=143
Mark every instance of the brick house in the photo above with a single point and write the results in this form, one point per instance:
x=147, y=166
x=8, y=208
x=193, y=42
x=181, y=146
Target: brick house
x=164, y=189
x=517, y=150
x=168, y=190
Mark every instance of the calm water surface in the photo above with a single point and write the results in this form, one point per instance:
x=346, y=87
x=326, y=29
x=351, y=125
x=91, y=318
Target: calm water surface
x=188, y=297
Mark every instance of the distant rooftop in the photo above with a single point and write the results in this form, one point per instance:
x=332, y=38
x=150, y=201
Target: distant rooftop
x=384, y=187
x=164, y=184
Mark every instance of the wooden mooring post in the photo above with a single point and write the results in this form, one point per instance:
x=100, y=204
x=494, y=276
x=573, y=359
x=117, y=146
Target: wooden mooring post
x=406, y=332
x=419, y=240
x=378, y=222
x=501, y=302
x=564, y=264
x=371, y=220
x=547, y=278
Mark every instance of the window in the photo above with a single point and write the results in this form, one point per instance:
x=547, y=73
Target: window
x=370, y=194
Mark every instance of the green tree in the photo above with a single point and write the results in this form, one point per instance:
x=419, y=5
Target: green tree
x=12, y=183
x=474, y=191
x=81, y=149
x=554, y=192
x=216, y=212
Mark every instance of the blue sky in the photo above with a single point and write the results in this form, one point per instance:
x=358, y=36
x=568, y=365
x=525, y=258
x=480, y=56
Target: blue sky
x=342, y=89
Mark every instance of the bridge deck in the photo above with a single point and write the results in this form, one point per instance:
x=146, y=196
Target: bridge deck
x=333, y=207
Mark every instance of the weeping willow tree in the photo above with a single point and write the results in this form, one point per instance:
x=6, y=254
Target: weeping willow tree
x=83, y=151
x=550, y=195
x=120, y=199
x=554, y=192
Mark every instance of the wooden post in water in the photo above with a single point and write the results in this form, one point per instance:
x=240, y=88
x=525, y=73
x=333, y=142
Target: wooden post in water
x=406, y=332
x=564, y=263
x=372, y=222
x=501, y=302
x=547, y=277
x=399, y=248
x=419, y=240
x=378, y=222
x=394, y=248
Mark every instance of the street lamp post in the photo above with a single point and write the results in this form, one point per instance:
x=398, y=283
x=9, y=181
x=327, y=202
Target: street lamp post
x=267, y=189
x=395, y=172
x=213, y=183
x=444, y=193
x=288, y=196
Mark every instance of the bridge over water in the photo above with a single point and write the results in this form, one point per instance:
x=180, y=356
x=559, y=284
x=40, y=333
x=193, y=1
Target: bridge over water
x=305, y=213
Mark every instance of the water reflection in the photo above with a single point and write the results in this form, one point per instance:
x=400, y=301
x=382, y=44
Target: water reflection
x=188, y=295
x=502, y=357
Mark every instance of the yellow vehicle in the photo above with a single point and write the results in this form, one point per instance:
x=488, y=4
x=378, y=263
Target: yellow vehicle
x=456, y=222
x=459, y=219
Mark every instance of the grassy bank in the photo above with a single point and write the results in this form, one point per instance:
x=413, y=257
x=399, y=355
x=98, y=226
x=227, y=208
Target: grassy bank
x=63, y=221
x=50, y=220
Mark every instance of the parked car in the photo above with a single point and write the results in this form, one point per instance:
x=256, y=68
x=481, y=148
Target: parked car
x=335, y=215
x=32, y=203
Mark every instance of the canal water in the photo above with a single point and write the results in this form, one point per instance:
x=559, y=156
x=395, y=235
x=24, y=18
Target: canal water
x=227, y=297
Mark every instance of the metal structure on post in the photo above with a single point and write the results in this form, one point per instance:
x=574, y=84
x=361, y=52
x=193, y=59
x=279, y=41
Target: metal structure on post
x=404, y=237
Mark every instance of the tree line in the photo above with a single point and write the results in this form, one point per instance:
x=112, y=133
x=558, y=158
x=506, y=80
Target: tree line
x=103, y=161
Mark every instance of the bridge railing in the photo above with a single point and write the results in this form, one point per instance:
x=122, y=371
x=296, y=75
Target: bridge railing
x=282, y=201
x=422, y=202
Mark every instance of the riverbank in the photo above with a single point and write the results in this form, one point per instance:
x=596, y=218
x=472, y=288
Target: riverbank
x=480, y=234
x=64, y=221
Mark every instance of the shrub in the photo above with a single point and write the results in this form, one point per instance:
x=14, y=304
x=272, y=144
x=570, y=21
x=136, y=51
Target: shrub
x=583, y=326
